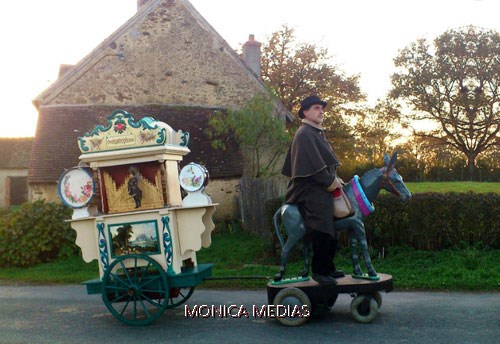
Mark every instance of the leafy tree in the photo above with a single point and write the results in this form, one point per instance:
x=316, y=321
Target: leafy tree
x=376, y=129
x=294, y=71
x=455, y=85
x=258, y=130
x=340, y=134
x=124, y=234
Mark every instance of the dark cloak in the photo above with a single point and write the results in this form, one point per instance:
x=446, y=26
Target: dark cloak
x=311, y=164
x=309, y=153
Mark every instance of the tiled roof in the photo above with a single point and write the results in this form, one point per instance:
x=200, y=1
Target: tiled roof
x=15, y=152
x=56, y=147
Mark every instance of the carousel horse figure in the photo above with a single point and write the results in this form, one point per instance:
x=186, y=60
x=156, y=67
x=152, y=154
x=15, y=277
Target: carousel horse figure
x=361, y=193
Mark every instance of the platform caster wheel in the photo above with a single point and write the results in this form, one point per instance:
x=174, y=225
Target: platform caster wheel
x=364, y=308
x=378, y=297
x=293, y=298
x=135, y=289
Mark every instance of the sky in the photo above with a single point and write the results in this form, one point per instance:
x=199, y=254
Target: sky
x=362, y=36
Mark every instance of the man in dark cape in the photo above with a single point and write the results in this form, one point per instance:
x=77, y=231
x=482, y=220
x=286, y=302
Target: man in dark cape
x=311, y=164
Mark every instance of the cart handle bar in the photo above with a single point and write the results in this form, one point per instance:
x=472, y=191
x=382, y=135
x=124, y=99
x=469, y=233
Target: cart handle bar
x=237, y=277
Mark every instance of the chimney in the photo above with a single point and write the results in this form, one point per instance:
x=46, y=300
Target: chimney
x=251, y=54
x=141, y=3
x=63, y=69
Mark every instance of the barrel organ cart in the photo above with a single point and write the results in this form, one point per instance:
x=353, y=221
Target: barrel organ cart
x=130, y=215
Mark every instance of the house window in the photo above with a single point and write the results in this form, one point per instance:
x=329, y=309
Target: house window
x=17, y=190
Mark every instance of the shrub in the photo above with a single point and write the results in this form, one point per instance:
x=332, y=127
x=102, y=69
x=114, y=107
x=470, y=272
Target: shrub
x=431, y=221
x=436, y=221
x=36, y=233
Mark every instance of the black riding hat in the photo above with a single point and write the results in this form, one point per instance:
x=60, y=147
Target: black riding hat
x=308, y=102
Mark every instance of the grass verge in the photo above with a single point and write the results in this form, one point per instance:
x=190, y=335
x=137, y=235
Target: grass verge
x=237, y=253
x=479, y=187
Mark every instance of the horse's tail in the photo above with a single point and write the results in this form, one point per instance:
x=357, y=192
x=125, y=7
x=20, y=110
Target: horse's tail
x=277, y=215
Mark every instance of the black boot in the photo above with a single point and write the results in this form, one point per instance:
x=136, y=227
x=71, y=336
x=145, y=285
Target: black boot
x=333, y=271
x=324, y=279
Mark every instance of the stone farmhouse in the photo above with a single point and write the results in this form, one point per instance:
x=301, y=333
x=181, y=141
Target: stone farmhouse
x=166, y=62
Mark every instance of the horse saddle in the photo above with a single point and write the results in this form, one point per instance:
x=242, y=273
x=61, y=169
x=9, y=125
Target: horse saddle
x=342, y=207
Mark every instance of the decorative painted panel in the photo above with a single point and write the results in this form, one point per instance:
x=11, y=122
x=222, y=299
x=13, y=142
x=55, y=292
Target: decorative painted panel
x=122, y=132
x=134, y=237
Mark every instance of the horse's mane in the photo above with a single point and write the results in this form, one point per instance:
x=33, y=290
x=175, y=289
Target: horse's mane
x=369, y=173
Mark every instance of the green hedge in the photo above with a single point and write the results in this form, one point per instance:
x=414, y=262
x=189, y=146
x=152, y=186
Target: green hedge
x=431, y=221
x=36, y=233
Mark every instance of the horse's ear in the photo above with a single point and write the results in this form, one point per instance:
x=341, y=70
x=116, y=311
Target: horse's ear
x=392, y=162
x=386, y=159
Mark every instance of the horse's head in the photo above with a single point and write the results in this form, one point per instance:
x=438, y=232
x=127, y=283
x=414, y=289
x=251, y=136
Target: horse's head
x=392, y=180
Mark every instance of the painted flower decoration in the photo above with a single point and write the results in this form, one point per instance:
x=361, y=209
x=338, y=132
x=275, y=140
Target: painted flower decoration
x=193, y=177
x=120, y=126
x=192, y=180
x=76, y=194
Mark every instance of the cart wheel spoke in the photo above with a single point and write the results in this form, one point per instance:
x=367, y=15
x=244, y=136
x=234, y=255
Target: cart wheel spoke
x=119, y=297
x=126, y=272
x=113, y=287
x=144, y=271
x=135, y=309
x=119, y=279
x=135, y=269
x=144, y=308
x=125, y=307
x=152, y=302
x=150, y=281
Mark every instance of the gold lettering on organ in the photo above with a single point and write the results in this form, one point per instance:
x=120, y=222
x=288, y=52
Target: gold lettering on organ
x=116, y=141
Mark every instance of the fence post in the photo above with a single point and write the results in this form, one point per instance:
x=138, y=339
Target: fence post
x=254, y=193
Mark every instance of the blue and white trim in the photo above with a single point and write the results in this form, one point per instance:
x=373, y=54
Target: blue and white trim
x=103, y=247
x=167, y=243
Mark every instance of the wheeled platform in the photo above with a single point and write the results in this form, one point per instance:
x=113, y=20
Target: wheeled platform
x=317, y=299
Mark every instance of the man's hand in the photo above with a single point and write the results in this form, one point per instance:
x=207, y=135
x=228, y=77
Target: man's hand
x=337, y=183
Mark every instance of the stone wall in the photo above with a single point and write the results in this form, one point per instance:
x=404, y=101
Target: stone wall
x=44, y=191
x=226, y=192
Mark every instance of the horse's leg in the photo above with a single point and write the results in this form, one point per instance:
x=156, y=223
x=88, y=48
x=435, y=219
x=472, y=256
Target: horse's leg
x=295, y=229
x=353, y=242
x=366, y=254
x=291, y=241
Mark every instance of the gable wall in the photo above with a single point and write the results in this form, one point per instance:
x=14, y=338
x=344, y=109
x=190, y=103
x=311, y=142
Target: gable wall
x=169, y=57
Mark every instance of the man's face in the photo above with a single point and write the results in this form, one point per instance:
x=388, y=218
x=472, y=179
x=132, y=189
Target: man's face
x=314, y=114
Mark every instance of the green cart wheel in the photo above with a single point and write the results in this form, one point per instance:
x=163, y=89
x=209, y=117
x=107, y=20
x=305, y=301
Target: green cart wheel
x=178, y=296
x=135, y=289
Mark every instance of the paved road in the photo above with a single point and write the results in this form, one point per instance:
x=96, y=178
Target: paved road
x=66, y=314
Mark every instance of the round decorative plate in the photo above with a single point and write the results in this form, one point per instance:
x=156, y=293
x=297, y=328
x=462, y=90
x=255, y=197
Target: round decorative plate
x=76, y=187
x=193, y=177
